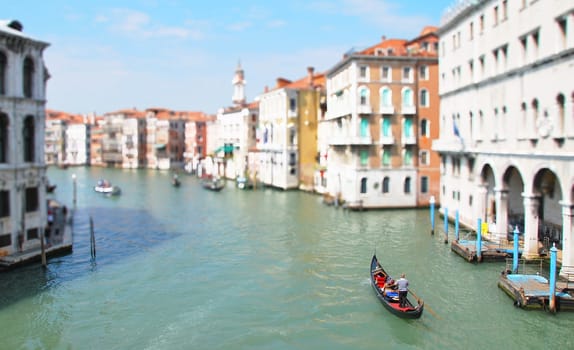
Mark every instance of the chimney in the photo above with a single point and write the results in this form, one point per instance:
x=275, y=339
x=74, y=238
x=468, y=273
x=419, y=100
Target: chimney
x=384, y=38
x=310, y=71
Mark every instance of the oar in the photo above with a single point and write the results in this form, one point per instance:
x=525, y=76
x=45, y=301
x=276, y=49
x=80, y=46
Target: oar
x=426, y=305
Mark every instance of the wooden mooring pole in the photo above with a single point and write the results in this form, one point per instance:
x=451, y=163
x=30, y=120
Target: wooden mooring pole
x=92, y=239
x=432, y=203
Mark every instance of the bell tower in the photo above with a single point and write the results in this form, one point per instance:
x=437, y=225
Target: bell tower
x=239, y=86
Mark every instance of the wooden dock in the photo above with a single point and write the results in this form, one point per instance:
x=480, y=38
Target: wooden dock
x=533, y=291
x=489, y=252
x=59, y=241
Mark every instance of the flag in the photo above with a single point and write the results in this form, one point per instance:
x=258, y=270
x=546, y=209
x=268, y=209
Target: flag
x=455, y=130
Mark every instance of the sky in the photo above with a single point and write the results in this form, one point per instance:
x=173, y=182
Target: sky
x=109, y=55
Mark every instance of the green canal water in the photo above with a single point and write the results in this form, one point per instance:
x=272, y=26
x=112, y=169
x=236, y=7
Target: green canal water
x=184, y=268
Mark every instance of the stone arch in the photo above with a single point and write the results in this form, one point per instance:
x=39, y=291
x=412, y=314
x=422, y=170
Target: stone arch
x=513, y=187
x=547, y=188
x=486, y=196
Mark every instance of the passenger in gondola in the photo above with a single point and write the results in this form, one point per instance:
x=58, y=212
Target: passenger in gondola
x=380, y=279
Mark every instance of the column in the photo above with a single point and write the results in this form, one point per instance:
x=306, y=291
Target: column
x=480, y=207
x=531, y=205
x=501, y=225
x=567, y=270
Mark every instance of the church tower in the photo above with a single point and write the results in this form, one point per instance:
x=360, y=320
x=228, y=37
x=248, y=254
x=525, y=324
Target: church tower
x=239, y=86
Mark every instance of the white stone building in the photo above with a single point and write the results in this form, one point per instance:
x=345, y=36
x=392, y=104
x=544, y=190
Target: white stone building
x=77, y=151
x=23, y=76
x=507, y=119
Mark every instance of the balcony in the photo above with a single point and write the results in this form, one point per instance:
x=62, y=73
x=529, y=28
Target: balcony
x=364, y=109
x=387, y=140
x=350, y=140
x=387, y=110
x=409, y=140
x=408, y=110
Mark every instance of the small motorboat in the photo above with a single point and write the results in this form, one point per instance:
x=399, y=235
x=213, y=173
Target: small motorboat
x=105, y=187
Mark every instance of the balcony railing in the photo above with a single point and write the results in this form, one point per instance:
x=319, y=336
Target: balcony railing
x=409, y=140
x=408, y=110
x=387, y=110
x=340, y=140
x=387, y=140
x=364, y=109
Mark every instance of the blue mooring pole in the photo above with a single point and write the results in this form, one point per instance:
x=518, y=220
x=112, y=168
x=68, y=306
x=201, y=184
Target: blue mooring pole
x=479, y=240
x=456, y=226
x=432, y=202
x=515, y=251
x=445, y=225
x=553, y=253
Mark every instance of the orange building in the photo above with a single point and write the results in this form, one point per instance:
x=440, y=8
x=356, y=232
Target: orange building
x=382, y=117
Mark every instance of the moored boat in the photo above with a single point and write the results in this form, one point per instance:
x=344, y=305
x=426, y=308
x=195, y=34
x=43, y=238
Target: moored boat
x=389, y=297
x=213, y=183
x=175, y=181
x=105, y=187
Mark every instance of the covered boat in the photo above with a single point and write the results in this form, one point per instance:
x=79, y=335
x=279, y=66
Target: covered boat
x=389, y=296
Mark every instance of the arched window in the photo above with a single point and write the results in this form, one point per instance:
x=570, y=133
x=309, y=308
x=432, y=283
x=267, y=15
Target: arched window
x=363, y=96
x=364, y=185
x=386, y=97
x=3, y=67
x=28, y=137
x=407, y=97
x=425, y=132
x=407, y=185
x=386, y=184
x=3, y=138
x=28, y=77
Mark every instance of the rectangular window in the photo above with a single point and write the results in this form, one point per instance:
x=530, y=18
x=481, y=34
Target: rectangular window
x=364, y=154
x=423, y=72
x=32, y=199
x=495, y=16
x=408, y=157
x=386, y=74
x=4, y=203
x=424, y=158
x=5, y=240
x=292, y=158
x=363, y=72
x=32, y=233
x=424, y=184
x=407, y=77
x=386, y=157
x=481, y=23
x=504, y=10
x=292, y=104
x=471, y=30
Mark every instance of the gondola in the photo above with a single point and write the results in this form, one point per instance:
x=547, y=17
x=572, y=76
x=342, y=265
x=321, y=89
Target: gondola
x=389, y=297
x=175, y=181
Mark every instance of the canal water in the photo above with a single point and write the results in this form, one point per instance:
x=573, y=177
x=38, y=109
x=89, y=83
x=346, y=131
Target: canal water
x=185, y=268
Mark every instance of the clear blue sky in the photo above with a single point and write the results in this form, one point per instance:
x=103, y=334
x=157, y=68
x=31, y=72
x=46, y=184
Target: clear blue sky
x=108, y=55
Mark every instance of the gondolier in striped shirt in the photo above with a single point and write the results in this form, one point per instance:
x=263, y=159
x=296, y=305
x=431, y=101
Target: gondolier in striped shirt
x=403, y=287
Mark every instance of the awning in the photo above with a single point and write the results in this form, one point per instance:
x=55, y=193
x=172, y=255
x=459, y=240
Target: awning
x=159, y=146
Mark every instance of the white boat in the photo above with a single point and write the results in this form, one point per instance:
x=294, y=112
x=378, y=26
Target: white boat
x=105, y=187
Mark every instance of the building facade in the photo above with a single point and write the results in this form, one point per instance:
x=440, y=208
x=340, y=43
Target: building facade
x=382, y=114
x=23, y=77
x=287, y=146
x=507, y=119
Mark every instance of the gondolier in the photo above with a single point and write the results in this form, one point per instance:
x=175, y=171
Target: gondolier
x=403, y=287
